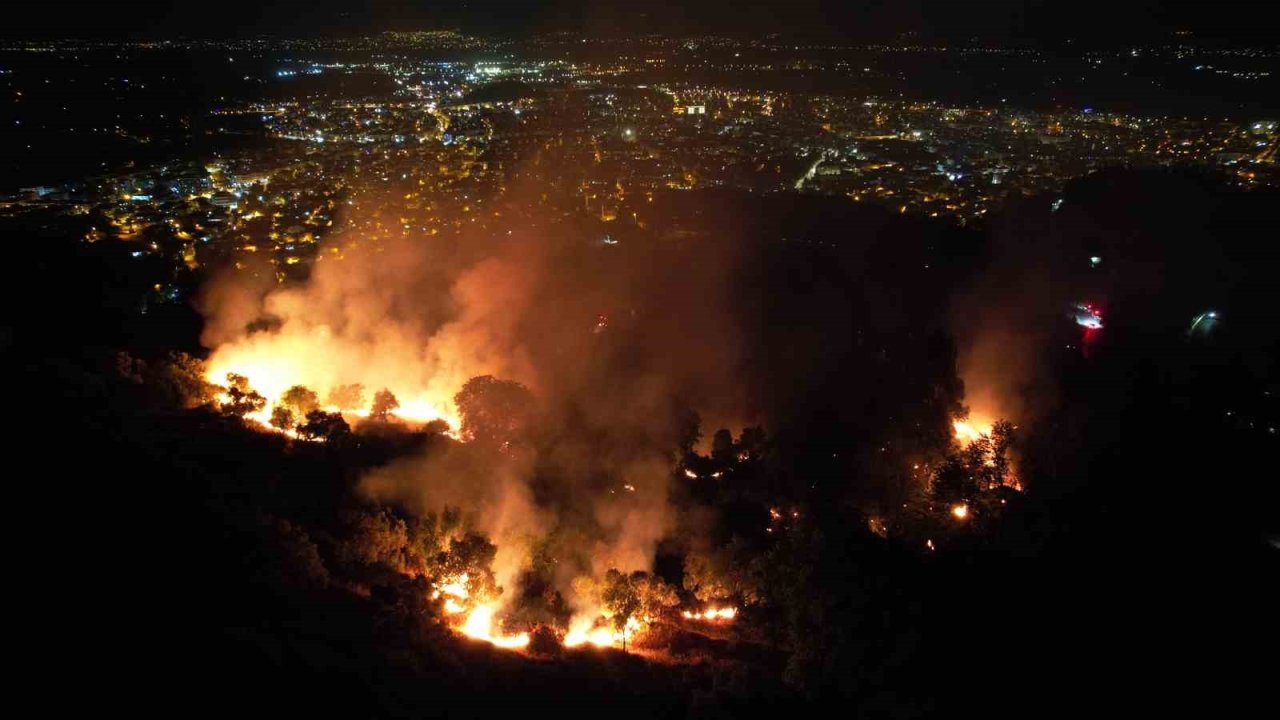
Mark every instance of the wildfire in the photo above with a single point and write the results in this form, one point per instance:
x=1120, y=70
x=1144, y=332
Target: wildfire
x=479, y=625
x=971, y=430
x=585, y=631
x=712, y=614
x=456, y=588
x=272, y=378
x=960, y=511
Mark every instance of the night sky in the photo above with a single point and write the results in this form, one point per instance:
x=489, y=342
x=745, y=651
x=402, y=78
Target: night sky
x=1044, y=21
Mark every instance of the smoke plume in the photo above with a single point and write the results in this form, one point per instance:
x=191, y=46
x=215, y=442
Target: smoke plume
x=617, y=342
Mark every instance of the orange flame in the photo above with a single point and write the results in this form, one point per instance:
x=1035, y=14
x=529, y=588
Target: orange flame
x=585, y=631
x=272, y=376
x=712, y=614
x=970, y=430
x=479, y=625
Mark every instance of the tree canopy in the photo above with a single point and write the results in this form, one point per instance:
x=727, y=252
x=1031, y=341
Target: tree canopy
x=494, y=411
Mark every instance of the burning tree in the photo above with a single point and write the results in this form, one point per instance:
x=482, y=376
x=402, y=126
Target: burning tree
x=300, y=401
x=282, y=418
x=321, y=425
x=621, y=599
x=977, y=472
x=722, y=450
x=470, y=557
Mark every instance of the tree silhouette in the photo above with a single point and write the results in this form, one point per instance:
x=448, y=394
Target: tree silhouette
x=751, y=443
x=282, y=417
x=241, y=399
x=688, y=430
x=384, y=403
x=321, y=425
x=722, y=447
x=300, y=400
x=436, y=427
x=494, y=411
x=1002, y=439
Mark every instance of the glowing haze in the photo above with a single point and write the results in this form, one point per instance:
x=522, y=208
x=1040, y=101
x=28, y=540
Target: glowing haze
x=373, y=318
x=615, y=342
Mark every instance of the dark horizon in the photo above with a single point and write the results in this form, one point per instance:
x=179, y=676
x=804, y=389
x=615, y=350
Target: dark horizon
x=1092, y=22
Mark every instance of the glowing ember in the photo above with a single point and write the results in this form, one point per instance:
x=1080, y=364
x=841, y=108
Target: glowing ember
x=960, y=511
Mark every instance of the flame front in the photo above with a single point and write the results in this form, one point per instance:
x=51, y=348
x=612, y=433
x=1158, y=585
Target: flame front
x=273, y=368
x=479, y=625
x=585, y=631
x=712, y=614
